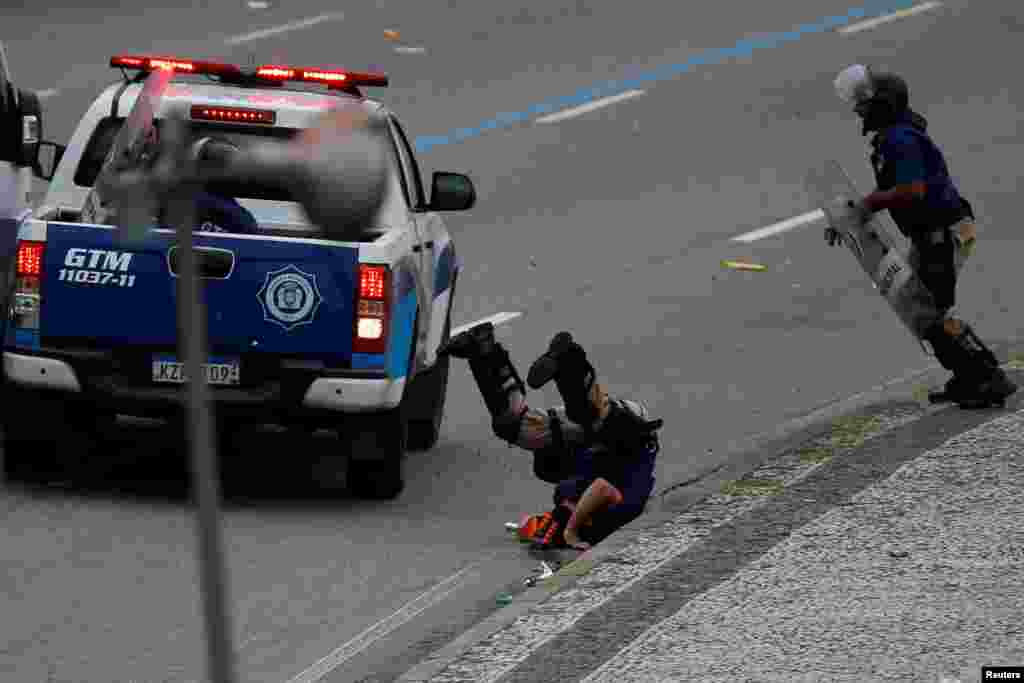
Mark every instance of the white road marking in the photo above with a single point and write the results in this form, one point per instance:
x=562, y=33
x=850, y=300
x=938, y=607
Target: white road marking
x=258, y=4
x=496, y=319
x=48, y=92
x=409, y=50
x=284, y=28
x=385, y=626
x=589, y=106
x=877, y=21
x=781, y=226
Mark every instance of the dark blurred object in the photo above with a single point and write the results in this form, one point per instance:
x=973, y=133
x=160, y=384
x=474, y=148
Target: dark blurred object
x=336, y=170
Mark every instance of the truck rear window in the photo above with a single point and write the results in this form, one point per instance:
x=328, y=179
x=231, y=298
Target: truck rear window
x=99, y=144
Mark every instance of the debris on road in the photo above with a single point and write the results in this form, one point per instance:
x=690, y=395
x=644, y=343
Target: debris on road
x=743, y=265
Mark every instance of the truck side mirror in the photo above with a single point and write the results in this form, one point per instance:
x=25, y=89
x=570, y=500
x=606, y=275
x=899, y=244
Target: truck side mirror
x=451, y=192
x=48, y=158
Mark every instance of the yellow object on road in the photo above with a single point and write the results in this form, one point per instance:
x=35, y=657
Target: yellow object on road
x=743, y=265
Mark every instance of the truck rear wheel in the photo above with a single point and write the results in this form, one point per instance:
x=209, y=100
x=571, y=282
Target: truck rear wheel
x=428, y=393
x=431, y=389
x=44, y=434
x=377, y=451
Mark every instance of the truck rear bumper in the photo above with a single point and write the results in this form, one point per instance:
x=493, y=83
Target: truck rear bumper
x=38, y=371
x=297, y=392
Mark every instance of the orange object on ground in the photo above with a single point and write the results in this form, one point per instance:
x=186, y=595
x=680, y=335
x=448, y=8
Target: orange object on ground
x=533, y=526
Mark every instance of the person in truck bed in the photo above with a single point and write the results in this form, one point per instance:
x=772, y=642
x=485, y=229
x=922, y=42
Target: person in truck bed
x=599, y=451
x=216, y=212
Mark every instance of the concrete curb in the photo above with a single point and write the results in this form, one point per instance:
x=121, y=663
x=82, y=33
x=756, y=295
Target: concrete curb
x=743, y=456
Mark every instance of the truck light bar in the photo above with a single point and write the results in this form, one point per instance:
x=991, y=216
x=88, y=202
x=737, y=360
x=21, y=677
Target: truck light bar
x=331, y=78
x=187, y=66
x=340, y=80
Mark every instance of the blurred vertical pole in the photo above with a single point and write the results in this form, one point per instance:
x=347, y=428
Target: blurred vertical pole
x=199, y=426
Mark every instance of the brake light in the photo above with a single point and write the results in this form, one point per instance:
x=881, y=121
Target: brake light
x=30, y=257
x=234, y=114
x=26, y=299
x=371, y=281
x=337, y=79
x=371, y=320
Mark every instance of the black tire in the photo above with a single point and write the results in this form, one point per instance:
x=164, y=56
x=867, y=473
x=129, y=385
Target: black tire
x=376, y=444
x=423, y=434
x=44, y=433
x=385, y=436
x=428, y=394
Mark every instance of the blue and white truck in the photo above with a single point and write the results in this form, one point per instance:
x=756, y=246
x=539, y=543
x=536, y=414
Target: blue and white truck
x=302, y=330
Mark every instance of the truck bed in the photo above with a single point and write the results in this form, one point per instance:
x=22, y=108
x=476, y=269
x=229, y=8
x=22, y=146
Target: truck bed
x=63, y=215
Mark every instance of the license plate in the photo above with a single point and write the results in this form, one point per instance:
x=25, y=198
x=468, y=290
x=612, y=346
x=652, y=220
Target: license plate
x=217, y=371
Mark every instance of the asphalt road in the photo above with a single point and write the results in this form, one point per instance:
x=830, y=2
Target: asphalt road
x=611, y=225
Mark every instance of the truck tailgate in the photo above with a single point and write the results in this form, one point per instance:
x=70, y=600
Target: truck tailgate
x=290, y=297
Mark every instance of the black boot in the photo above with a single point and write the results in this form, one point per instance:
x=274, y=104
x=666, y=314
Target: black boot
x=978, y=381
x=989, y=392
x=566, y=362
x=949, y=393
x=493, y=371
x=551, y=535
x=472, y=343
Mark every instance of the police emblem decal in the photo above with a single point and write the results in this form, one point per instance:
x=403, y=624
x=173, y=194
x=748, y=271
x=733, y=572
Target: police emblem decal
x=289, y=297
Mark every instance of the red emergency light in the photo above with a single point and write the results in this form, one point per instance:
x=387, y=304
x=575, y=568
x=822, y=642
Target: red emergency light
x=334, y=79
x=187, y=66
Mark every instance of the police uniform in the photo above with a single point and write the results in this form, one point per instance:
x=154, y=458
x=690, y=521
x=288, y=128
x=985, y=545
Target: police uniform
x=223, y=214
x=941, y=227
x=592, y=436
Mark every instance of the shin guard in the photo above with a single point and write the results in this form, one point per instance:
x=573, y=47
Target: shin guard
x=496, y=378
x=965, y=355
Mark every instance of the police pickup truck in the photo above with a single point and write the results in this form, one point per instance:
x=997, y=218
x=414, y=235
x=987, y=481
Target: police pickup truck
x=303, y=331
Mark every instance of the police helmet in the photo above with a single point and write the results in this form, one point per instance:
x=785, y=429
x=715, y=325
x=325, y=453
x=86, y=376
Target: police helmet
x=892, y=90
x=214, y=153
x=878, y=96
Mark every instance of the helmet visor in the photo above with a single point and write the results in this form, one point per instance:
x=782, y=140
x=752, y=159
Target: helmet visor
x=853, y=84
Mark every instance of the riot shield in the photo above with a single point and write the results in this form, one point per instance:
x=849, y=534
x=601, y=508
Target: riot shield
x=876, y=247
x=136, y=138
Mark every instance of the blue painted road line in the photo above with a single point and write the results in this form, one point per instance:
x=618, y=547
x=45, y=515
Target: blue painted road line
x=743, y=48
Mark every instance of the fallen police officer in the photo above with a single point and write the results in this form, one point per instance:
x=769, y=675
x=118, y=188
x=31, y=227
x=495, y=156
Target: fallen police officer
x=598, y=451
